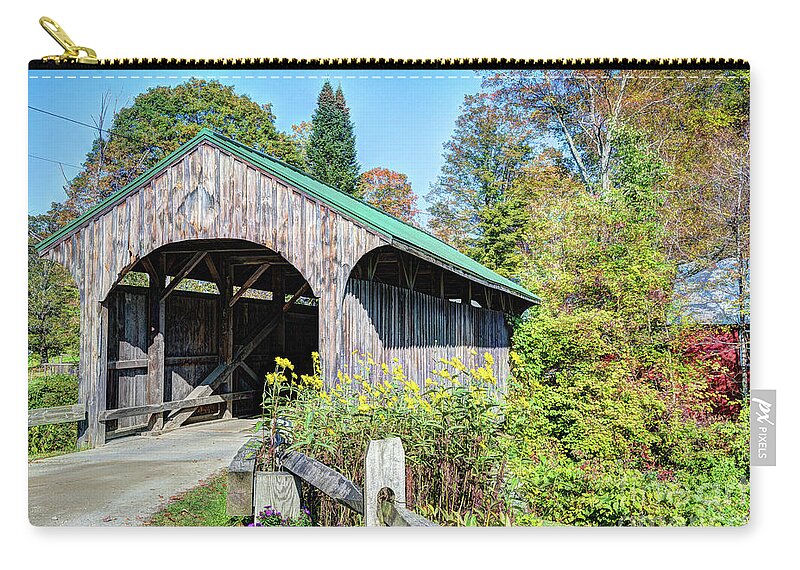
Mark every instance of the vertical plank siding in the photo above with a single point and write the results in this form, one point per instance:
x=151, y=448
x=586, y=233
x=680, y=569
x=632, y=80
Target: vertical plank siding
x=127, y=341
x=418, y=330
x=209, y=194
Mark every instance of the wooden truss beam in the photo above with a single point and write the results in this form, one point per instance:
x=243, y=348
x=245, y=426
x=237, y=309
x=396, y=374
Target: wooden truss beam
x=181, y=275
x=249, y=283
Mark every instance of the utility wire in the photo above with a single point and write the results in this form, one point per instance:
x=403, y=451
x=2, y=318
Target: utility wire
x=55, y=161
x=94, y=127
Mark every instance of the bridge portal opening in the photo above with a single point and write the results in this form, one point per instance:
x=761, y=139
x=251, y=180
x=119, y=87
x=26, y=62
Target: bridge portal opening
x=203, y=320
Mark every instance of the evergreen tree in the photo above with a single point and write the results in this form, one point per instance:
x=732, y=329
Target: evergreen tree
x=332, y=144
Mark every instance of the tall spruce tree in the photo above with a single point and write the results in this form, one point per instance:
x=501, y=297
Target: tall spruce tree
x=332, y=144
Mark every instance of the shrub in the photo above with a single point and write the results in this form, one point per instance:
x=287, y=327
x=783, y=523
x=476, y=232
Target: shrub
x=604, y=436
x=48, y=392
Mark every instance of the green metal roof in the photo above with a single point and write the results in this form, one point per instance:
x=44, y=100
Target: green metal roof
x=401, y=234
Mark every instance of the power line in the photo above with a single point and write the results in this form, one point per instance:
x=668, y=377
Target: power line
x=93, y=127
x=55, y=161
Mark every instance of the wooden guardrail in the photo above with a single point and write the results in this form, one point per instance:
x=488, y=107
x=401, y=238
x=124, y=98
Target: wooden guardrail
x=385, y=478
x=174, y=405
x=383, y=503
x=58, y=415
x=77, y=412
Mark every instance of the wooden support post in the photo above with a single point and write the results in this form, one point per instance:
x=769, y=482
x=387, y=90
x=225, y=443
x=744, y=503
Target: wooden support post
x=154, y=393
x=385, y=467
x=226, y=326
x=240, y=480
x=93, y=374
x=279, y=297
x=373, y=261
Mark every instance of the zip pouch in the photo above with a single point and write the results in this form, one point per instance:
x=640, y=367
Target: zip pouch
x=388, y=293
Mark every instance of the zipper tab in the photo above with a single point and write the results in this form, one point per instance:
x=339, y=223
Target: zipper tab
x=72, y=52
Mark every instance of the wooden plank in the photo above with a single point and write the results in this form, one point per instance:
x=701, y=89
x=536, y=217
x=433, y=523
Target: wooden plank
x=215, y=276
x=127, y=364
x=249, y=283
x=327, y=480
x=57, y=415
x=198, y=359
x=276, y=489
x=176, y=405
x=295, y=297
x=384, y=467
x=252, y=378
x=239, y=501
x=156, y=325
x=191, y=264
x=392, y=514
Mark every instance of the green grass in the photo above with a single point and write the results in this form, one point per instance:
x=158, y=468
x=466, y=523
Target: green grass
x=203, y=505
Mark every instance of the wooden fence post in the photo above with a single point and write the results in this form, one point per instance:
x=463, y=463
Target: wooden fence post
x=385, y=468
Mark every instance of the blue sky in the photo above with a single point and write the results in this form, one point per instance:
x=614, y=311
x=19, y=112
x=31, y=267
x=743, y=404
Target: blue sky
x=402, y=118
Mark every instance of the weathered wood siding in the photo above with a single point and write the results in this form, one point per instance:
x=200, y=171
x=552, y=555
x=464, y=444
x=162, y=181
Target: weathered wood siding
x=127, y=354
x=418, y=329
x=191, y=342
x=207, y=194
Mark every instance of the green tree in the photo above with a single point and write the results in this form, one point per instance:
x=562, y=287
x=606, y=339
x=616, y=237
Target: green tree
x=474, y=203
x=158, y=122
x=53, y=302
x=331, y=146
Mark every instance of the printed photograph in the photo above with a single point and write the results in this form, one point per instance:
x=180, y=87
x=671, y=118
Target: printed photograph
x=408, y=296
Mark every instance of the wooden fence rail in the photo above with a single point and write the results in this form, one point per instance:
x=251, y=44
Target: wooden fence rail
x=385, y=470
x=59, y=415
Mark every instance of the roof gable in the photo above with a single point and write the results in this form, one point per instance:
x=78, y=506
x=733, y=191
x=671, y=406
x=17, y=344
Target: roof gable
x=401, y=234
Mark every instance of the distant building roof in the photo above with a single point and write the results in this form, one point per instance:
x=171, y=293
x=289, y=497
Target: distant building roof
x=710, y=295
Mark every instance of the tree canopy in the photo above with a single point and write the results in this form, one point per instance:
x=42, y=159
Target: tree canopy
x=390, y=191
x=158, y=122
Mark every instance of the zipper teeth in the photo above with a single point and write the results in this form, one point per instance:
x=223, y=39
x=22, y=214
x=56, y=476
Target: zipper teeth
x=441, y=63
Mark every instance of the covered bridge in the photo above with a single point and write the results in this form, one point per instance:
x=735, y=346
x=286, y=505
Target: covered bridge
x=296, y=267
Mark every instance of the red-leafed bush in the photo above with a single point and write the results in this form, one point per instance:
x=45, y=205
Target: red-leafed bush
x=713, y=352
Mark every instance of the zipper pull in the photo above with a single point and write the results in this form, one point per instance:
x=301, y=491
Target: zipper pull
x=72, y=53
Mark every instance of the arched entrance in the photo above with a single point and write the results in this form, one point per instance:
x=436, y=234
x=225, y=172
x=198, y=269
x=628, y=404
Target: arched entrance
x=200, y=322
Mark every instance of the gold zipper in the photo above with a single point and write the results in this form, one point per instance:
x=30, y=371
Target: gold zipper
x=72, y=56
x=72, y=52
